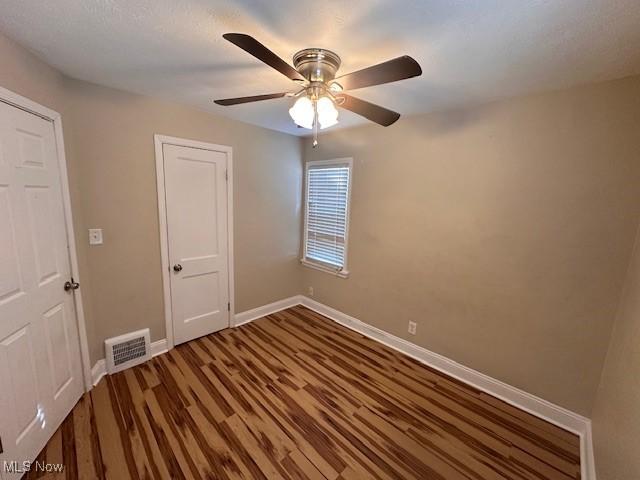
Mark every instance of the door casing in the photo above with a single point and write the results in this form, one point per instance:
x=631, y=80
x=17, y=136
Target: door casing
x=23, y=103
x=159, y=141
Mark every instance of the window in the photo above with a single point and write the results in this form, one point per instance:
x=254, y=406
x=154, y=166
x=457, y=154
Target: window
x=326, y=220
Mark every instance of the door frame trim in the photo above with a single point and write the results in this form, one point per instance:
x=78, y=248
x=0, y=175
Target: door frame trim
x=23, y=103
x=159, y=141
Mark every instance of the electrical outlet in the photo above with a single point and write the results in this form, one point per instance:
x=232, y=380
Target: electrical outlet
x=310, y=291
x=95, y=236
x=412, y=328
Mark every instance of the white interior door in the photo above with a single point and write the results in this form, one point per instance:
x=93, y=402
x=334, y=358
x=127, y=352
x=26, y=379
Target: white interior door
x=196, y=208
x=40, y=365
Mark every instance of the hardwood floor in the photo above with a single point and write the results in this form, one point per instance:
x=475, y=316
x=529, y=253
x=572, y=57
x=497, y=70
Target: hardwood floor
x=296, y=396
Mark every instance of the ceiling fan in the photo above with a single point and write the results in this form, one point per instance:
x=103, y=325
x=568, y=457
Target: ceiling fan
x=321, y=91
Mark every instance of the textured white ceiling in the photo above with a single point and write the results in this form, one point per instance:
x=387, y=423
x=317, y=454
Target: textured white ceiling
x=471, y=51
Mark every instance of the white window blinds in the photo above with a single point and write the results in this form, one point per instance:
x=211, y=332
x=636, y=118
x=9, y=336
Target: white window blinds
x=327, y=208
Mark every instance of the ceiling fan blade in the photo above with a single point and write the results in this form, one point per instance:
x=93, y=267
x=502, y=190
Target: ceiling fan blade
x=262, y=53
x=373, y=112
x=255, y=98
x=391, y=71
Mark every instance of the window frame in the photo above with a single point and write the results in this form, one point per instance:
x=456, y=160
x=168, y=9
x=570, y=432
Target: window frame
x=315, y=264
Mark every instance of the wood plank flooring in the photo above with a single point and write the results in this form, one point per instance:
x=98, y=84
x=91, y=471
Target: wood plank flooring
x=297, y=396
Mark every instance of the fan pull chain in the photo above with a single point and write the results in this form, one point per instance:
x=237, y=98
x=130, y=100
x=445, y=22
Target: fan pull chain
x=315, y=124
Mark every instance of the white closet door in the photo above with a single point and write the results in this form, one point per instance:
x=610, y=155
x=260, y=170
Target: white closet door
x=196, y=207
x=40, y=366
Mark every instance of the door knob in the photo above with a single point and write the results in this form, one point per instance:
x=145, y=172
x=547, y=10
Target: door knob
x=177, y=267
x=71, y=285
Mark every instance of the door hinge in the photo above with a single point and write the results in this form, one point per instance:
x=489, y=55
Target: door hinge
x=229, y=306
x=1, y=449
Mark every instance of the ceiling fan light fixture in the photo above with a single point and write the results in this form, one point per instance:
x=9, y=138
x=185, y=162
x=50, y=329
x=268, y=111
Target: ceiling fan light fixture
x=328, y=123
x=321, y=92
x=327, y=112
x=303, y=112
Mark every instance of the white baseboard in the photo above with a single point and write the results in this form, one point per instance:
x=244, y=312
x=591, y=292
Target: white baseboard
x=99, y=370
x=537, y=406
x=159, y=347
x=255, y=313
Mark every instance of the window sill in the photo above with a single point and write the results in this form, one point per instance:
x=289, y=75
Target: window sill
x=323, y=268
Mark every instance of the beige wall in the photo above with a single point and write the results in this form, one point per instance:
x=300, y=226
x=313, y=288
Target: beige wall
x=503, y=231
x=23, y=73
x=113, y=141
x=109, y=137
x=616, y=416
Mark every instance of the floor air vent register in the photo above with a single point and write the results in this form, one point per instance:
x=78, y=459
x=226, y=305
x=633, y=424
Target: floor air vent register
x=127, y=350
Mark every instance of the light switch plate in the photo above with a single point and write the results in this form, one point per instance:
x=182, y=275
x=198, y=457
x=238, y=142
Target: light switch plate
x=95, y=236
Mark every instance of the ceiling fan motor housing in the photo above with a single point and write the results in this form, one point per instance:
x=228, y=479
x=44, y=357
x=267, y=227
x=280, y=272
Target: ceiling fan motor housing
x=317, y=64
